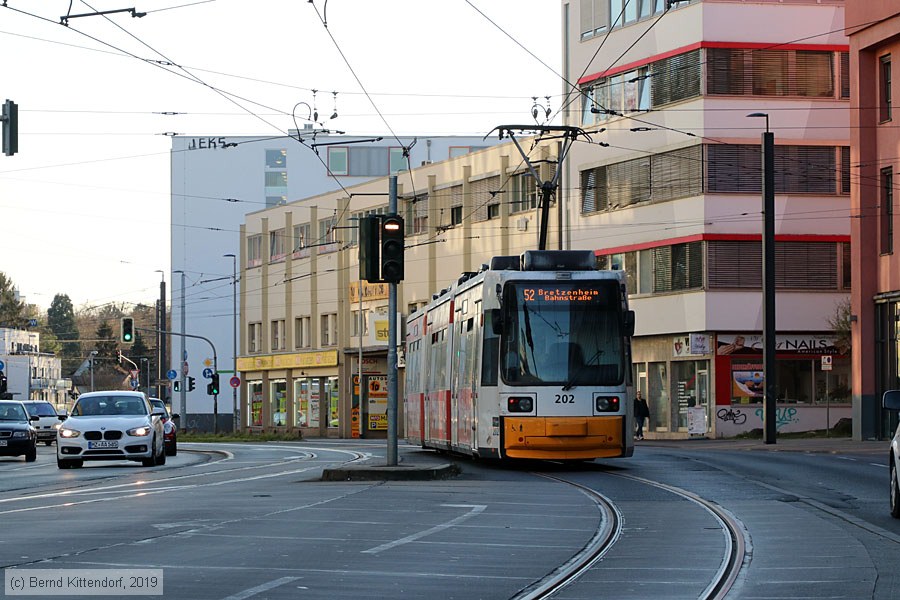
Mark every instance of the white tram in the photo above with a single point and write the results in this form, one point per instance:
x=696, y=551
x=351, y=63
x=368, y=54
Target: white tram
x=530, y=358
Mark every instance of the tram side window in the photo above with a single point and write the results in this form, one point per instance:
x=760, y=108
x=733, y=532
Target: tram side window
x=491, y=354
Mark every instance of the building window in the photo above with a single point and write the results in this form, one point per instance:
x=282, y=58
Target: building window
x=254, y=250
x=278, y=341
x=616, y=96
x=356, y=324
x=253, y=337
x=523, y=193
x=675, y=78
x=276, y=159
x=327, y=231
x=798, y=169
x=743, y=72
x=278, y=399
x=277, y=179
x=456, y=215
x=275, y=200
x=885, y=89
x=798, y=265
x=329, y=329
x=397, y=161
x=276, y=245
x=338, y=163
x=255, y=399
x=887, y=211
x=493, y=211
x=678, y=267
x=302, y=334
x=485, y=192
x=301, y=236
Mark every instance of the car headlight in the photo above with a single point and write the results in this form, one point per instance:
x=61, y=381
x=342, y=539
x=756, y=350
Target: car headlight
x=68, y=433
x=20, y=434
x=139, y=431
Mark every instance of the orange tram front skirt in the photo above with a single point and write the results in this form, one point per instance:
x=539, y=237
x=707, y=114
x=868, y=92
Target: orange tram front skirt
x=563, y=438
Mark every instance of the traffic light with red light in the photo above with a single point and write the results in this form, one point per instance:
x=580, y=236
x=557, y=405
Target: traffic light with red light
x=392, y=240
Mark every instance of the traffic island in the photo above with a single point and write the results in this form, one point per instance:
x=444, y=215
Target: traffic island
x=374, y=471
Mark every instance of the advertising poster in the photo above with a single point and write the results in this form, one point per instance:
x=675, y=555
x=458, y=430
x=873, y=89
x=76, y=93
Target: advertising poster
x=378, y=403
x=747, y=382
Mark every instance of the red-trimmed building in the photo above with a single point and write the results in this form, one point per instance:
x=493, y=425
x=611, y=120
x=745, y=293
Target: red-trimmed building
x=670, y=191
x=873, y=27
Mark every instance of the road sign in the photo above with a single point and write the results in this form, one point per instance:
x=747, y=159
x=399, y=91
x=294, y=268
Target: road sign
x=172, y=374
x=208, y=373
x=826, y=363
x=134, y=384
x=235, y=381
x=32, y=322
x=135, y=374
x=184, y=368
x=2, y=365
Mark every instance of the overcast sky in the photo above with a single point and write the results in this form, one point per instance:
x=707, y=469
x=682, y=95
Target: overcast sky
x=85, y=202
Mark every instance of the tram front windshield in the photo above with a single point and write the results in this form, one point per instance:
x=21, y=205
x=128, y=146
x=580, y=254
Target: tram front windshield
x=562, y=333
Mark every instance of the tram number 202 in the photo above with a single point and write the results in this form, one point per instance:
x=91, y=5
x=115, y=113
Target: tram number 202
x=565, y=399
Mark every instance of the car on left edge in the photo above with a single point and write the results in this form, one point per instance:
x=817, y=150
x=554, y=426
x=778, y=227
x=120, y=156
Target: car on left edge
x=17, y=436
x=891, y=401
x=112, y=425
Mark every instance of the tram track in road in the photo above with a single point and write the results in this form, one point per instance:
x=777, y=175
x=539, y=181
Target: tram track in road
x=735, y=556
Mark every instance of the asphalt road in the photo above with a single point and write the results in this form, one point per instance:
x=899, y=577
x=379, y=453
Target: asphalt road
x=243, y=521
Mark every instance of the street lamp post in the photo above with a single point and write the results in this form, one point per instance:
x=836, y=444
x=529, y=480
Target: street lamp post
x=234, y=349
x=768, y=267
x=93, y=354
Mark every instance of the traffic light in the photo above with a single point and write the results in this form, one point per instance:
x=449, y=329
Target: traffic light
x=118, y=356
x=392, y=236
x=4, y=384
x=212, y=388
x=127, y=330
x=369, y=248
x=190, y=382
x=10, y=120
x=176, y=386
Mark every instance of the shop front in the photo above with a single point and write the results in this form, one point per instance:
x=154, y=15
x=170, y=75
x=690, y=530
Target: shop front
x=813, y=383
x=292, y=393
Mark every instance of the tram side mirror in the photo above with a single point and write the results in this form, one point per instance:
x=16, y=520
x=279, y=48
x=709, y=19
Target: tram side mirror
x=628, y=323
x=496, y=321
x=891, y=400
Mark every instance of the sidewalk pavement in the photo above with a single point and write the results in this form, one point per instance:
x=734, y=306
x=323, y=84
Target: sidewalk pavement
x=422, y=468
x=826, y=445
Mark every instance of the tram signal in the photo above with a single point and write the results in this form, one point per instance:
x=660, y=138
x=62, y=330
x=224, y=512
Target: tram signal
x=10, y=118
x=127, y=330
x=392, y=239
x=369, y=248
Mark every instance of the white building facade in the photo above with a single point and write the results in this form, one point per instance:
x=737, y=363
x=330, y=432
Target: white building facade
x=30, y=373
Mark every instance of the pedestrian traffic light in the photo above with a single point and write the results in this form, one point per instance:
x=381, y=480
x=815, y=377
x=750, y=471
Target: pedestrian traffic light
x=369, y=248
x=4, y=384
x=10, y=120
x=212, y=388
x=392, y=236
x=127, y=330
x=176, y=386
x=190, y=382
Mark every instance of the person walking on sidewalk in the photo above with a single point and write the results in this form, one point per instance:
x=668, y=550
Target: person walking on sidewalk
x=641, y=412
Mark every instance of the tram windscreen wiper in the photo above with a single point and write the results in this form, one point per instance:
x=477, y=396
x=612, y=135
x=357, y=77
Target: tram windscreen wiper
x=588, y=363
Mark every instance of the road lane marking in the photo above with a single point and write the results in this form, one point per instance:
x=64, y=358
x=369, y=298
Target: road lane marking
x=475, y=509
x=261, y=588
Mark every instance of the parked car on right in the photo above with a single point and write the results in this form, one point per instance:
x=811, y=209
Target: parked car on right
x=891, y=401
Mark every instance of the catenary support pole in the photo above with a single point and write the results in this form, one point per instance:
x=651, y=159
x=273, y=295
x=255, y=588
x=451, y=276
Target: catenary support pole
x=392, y=348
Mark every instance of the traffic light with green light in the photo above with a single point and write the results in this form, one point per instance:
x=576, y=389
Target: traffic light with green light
x=127, y=330
x=212, y=388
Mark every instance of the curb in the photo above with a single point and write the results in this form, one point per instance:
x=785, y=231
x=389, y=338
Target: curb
x=391, y=473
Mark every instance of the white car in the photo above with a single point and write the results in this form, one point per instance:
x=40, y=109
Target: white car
x=113, y=425
x=891, y=401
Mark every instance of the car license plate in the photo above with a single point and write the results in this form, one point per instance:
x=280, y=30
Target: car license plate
x=2, y=442
x=98, y=445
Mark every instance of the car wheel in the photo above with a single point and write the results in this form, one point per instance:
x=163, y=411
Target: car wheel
x=152, y=461
x=31, y=455
x=171, y=450
x=895, y=491
x=161, y=459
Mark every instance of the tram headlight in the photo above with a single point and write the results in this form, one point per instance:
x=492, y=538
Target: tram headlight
x=606, y=403
x=521, y=404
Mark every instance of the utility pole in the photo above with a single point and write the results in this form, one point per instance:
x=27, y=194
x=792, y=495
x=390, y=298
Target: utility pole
x=392, y=347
